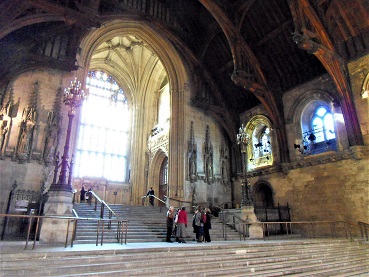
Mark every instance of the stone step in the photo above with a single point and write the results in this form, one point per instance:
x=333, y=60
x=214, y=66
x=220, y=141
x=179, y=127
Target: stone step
x=204, y=262
x=254, y=255
x=143, y=223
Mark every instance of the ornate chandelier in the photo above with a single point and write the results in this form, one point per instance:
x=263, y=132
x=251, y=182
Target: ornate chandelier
x=74, y=95
x=243, y=139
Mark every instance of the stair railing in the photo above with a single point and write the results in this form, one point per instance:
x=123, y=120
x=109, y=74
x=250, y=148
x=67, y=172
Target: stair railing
x=122, y=229
x=243, y=225
x=364, y=228
x=103, y=205
x=157, y=198
x=180, y=202
x=346, y=229
x=74, y=212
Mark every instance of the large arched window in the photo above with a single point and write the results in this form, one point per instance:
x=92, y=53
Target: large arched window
x=259, y=153
x=322, y=124
x=103, y=131
x=318, y=129
x=262, y=147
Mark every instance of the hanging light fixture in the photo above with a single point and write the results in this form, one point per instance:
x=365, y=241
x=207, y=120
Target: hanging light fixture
x=73, y=97
x=244, y=140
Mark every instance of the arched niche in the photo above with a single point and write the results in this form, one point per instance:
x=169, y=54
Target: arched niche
x=263, y=194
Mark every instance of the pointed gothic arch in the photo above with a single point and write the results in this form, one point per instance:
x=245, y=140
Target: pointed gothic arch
x=177, y=75
x=263, y=194
x=155, y=166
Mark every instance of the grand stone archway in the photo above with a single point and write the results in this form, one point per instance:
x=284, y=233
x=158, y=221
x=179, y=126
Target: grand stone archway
x=143, y=97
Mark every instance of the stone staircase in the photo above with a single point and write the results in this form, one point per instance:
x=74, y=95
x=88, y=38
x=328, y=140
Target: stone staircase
x=146, y=224
x=316, y=257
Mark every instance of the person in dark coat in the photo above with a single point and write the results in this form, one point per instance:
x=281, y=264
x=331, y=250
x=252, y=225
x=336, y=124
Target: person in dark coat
x=151, y=194
x=83, y=193
x=207, y=225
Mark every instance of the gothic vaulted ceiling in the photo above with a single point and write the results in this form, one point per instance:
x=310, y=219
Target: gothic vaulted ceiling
x=47, y=33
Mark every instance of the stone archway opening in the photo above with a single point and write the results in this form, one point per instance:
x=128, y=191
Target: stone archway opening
x=263, y=196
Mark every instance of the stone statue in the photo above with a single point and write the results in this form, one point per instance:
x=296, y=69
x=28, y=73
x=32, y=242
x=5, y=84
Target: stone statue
x=25, y=139
x=50, y=146
x=4, y=131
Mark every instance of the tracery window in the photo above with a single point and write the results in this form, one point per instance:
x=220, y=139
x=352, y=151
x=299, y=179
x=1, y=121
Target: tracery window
x=322, y=124
x=164, y=172
x=259, y=152
x=318, y=131
x=103, y=131
x=261, y=146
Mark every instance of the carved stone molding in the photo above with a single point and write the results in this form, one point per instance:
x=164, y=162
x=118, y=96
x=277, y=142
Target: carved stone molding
x=354, y=152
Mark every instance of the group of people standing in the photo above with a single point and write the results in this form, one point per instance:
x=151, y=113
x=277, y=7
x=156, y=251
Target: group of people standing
x=201, y=223
x=85, y=196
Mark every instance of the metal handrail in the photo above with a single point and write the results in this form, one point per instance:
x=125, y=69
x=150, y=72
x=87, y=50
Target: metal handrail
x=245, y=224
x=74, y=229
x=180, y=202
x=364, y=228
x=222, y=205
x=242, y=223
x=121, y=236
x=103, y=205
x=154, y=197
x=347, y=226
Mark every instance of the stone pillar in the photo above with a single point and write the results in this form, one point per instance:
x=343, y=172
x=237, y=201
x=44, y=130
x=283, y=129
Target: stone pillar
x=255, y=230
x=54, y=231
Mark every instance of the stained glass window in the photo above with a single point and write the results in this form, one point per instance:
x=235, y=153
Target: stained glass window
x=323, y=125
x=103, y=131
x=261, y=145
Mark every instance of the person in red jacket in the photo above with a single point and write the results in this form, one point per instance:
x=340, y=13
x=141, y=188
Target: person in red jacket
x=181, y=225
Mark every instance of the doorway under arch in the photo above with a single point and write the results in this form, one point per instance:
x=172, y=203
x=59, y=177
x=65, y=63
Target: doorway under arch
x=163, y=181
x=158, y=175
x=263, y=195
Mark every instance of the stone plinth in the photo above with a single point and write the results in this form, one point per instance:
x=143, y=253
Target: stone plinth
x=255, y=230
x=59, y=203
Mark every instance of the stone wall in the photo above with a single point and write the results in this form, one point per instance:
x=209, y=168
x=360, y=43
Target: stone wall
x=333, y=191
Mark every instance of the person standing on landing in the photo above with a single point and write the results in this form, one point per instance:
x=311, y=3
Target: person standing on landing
x=83, y=195
x=151, y=194
x=170, y=220
x=182, y=225
x=207, y=225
